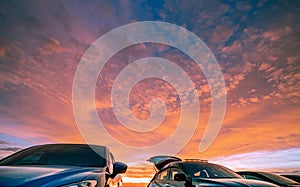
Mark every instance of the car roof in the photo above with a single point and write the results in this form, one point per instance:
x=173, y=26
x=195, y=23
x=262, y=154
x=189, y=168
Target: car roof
x=181, y=164
x=96, y=148
x=69, y=144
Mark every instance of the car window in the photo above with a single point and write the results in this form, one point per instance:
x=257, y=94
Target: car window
x=252, y=177
x=163, y=175
x=173, y=172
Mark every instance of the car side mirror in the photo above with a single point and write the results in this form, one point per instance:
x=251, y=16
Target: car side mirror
x=180, y=177
x=119, y=167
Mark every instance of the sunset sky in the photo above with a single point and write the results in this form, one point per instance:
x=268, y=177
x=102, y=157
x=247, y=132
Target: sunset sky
x=256, y=45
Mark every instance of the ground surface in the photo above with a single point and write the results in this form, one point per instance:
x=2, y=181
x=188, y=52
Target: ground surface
x=134, y=184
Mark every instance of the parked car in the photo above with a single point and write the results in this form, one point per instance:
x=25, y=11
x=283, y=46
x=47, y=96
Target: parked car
x=172, y=171
x=61, y=165
x=269, y=177
x=294, y=177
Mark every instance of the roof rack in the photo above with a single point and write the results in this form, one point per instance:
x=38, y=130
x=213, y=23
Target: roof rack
x=195, y=160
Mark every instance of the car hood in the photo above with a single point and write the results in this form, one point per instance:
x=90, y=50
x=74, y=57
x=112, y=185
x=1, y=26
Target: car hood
x=162, y=160
x=233, y=182
x=42, y=176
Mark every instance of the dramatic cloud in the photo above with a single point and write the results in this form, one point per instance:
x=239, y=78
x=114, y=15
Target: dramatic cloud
x=255, y=43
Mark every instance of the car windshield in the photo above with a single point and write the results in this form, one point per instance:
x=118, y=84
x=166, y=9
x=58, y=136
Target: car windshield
x=59, y=154
x=209, y=170
x=278, y=179
x=294, y=177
